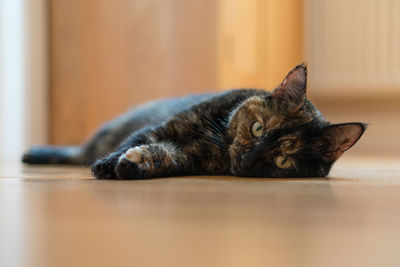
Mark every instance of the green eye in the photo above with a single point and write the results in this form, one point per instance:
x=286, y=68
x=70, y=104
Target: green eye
x=283, y=162
x=257, y=129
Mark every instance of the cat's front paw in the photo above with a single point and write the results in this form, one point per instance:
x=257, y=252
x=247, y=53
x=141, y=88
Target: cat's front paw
x=134, y=163
x=105, y=168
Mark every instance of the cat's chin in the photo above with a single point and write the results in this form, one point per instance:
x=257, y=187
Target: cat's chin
x=237, y=173
x=243, y=172
x=235, y=170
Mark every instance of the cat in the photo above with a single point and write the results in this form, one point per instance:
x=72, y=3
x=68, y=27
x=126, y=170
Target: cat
x=245, y=132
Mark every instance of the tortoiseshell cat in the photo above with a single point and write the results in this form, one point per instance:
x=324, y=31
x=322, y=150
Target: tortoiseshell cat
x=239, y=132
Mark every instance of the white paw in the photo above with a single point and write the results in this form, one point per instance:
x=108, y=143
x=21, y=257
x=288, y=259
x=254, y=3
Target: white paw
x=139, y=155
x=134, y=154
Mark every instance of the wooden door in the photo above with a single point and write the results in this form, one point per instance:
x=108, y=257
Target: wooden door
x=259, y=41
x=109, y=55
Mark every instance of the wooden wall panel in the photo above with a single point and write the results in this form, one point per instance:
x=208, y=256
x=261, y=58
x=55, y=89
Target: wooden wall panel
x=109, y=55
x=259, y=41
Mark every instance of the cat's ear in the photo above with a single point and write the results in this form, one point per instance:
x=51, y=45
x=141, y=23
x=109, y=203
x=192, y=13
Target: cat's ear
x=337, y=138
x=291, y=93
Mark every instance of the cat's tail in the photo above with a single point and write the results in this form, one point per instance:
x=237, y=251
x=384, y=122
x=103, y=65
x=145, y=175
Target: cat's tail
x=55, y=155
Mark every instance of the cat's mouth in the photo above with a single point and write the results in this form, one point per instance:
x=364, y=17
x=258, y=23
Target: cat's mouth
x=245, y=164
x=257, y=170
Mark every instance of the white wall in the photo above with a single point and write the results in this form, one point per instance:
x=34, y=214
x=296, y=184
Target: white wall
x=23, y=76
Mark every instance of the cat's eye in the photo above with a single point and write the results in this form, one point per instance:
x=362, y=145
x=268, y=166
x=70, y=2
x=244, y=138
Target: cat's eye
x=283, y=162
x=257, y=129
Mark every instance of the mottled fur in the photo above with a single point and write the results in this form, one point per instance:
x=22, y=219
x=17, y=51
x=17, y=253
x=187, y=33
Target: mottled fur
x=213, y=134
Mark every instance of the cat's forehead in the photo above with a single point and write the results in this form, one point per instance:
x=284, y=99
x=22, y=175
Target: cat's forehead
x=290, y=144
x=263, y=107
x=289, y=128
x=274, y=122
x=256, y=106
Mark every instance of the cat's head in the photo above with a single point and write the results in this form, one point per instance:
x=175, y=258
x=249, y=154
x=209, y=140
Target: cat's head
x=283, y=135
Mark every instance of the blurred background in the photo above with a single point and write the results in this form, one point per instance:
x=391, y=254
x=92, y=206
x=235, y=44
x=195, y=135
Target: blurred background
x=68, y=66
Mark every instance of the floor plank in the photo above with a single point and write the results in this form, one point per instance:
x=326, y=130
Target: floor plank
x=60, y=216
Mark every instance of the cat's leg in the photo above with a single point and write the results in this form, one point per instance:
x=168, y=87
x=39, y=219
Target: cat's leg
x=104, y=168
x=148, y=161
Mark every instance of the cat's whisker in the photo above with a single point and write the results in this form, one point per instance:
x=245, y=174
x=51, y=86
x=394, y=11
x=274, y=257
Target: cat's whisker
x=224, y=122
x=216, y=142
x=214, y=129
x=213, y=137
x=211, y=122
x=210, y=131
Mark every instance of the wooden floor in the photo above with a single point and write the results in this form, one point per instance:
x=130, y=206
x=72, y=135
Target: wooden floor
x=58, y=216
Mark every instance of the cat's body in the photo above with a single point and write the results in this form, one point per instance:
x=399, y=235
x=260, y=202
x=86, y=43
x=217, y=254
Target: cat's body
x=239, y=132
